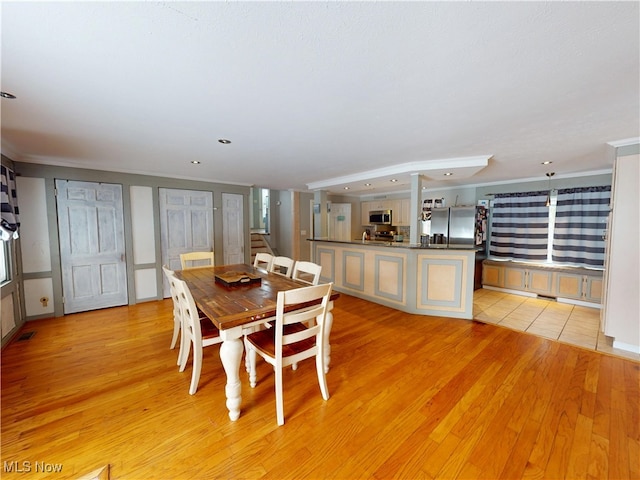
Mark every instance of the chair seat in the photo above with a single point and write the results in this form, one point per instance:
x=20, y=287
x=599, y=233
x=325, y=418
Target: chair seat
x=265, y=341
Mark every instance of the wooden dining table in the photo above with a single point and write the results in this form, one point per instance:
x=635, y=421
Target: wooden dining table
x=237, y=309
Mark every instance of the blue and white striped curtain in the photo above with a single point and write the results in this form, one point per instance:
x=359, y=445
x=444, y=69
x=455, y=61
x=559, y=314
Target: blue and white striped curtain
x=520, y=226
x=581, y=219
x=9, y=222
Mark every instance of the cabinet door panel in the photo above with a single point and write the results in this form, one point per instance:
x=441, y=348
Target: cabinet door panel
x=569, y=286
x=515, y=278
x=593, y=289
x=540, y=281
x=493, y=275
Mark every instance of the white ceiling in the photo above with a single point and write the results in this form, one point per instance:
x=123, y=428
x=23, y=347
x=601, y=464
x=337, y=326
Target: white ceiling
x=317, y=93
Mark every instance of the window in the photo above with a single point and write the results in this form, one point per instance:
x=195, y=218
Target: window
x=5, y=271
x=524, y=228
x=520, y=226
x=581, y=218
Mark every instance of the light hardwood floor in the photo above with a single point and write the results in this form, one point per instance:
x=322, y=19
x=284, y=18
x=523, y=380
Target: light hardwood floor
x=411, y=397
x=577, y=325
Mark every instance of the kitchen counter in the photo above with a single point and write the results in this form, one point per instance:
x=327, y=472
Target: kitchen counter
x=404, y=244
x=432, y=280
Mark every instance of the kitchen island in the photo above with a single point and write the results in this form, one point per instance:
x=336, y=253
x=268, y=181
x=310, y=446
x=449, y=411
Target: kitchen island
x=421, y=280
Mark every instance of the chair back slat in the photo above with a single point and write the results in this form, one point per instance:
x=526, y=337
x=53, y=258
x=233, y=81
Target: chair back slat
x=196, y=259
x=282, y=266
x=263, y=260
x=307, y=272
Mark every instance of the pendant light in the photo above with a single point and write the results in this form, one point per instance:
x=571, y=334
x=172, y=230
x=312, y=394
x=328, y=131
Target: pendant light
x=549, y=175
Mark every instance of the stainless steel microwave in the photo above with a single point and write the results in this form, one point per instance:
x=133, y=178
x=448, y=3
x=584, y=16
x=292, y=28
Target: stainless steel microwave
x=380, y=217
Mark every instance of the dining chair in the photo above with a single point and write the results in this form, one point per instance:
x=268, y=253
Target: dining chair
x=289, y=341
x=263, y=260
x=307, y=272
x=196, y=332
x=196, y=260
x=279, y=263
x=177, y=316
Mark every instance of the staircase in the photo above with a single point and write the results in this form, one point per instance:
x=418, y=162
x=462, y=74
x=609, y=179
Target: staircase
x=259, y=244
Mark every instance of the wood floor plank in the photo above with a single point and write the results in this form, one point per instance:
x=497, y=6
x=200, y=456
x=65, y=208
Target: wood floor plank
x=411, y=397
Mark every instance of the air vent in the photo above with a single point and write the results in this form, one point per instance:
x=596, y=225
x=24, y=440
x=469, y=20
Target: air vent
x=26, y=336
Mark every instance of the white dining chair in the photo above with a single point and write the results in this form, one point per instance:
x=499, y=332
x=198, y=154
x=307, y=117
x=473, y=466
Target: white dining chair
x=290, y=341
x=196, y=332
x=307, y=272
x=177, y=316
x=196, y=259
x=263, y=260
x=282, y=266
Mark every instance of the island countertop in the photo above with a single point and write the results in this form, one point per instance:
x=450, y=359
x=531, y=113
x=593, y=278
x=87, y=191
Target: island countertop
x=382, y=243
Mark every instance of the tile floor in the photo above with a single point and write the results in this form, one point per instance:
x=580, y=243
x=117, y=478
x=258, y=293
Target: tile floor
x=564, y=322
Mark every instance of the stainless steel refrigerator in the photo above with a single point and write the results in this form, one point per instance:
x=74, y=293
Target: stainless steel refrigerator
x=459, y=226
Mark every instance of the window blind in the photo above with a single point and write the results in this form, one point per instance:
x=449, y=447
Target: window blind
x=581, y=218
x=520, y=226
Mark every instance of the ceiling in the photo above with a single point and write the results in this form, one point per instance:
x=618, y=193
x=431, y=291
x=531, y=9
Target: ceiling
x=322, y=95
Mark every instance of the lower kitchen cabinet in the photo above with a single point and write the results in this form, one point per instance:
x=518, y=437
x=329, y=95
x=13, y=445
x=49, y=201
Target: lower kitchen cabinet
x=492, y=275
x=560, y=282
x=529, y=280
x=587, y=288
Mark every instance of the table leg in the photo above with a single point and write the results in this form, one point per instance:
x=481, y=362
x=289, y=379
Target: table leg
x=327, y=336
x=231, y=355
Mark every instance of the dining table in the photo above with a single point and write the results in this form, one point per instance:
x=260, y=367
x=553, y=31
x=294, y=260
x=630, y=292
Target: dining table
x=237, y=308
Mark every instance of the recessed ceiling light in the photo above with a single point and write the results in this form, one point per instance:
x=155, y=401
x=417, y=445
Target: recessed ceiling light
x=548, y=162
x=367, y=184
x=224, y=141
x=346, y=188
x=195, y=162
x=448, y=174
x=393, y=180
x=7, y=95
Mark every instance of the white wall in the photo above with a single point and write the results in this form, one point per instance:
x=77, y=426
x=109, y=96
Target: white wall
x=34, y=227
x=7, y=319
x=144, y=242
x=34, y=242
x=622, y=306
x=142, y=225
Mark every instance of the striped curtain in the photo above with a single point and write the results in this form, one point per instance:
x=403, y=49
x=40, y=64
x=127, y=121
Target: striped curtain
x=581, y=218
x=520, y=226
x=9, y=222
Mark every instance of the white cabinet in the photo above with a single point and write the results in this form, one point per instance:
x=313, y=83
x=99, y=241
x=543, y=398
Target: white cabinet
x=402, y=217
x=400, y=210
x=364, y=212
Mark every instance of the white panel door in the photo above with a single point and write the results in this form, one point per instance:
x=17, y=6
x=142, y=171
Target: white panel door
x=91, y=230
x=186, y=225
x=232, y=228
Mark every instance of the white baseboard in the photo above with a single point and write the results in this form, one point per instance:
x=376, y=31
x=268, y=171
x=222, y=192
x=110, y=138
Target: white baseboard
x=627, y=347
x=506, y=290
x=580, y=303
